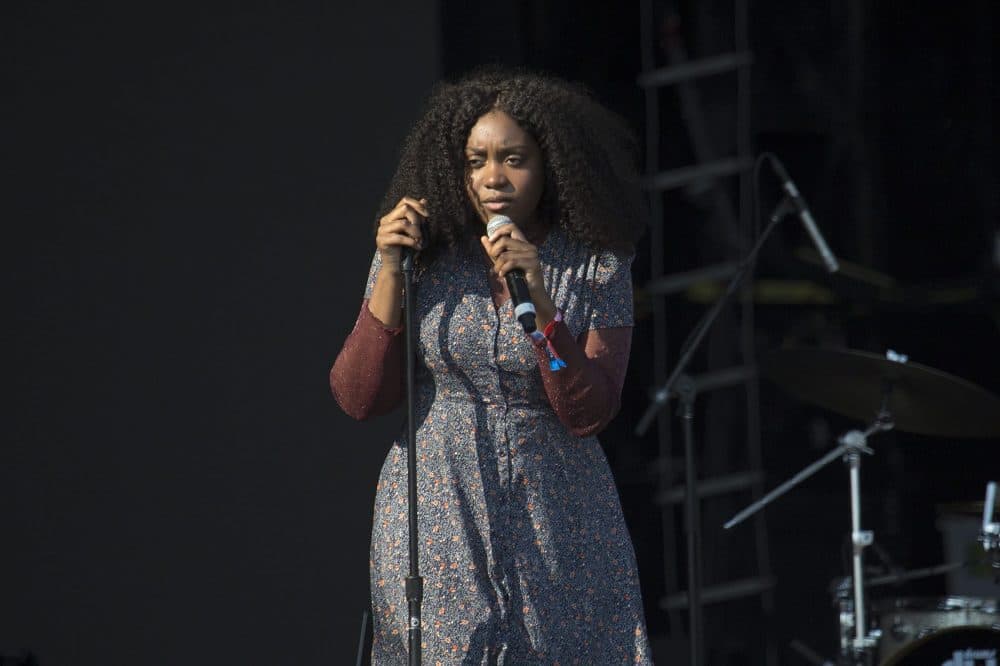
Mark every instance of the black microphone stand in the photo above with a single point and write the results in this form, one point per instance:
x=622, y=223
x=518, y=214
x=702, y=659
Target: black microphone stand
x=683, y=386
x=414, y=582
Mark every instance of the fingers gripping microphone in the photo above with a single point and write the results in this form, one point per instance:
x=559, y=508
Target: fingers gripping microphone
x=524, y=309
x=807, y=219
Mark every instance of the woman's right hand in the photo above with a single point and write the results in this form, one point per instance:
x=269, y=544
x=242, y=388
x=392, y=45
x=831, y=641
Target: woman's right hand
x=400, y=228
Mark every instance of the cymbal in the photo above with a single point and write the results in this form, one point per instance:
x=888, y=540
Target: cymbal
x=923, y=400
x=966, y=508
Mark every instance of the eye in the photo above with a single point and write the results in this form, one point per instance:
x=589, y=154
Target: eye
x=515, y=160
x=474, y=161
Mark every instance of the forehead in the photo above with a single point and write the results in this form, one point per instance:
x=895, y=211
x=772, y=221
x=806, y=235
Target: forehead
x=497, y=128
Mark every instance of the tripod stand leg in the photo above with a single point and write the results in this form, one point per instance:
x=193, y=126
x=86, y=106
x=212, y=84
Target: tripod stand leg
x=692, y=515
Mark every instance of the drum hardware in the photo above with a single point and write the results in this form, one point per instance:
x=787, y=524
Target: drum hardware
x=912, y=398
x=905, y=576
x=841, y=591
x=847, y=620
x=990, y=535
x=952, y=631
x=966, y=533
x=859, y=644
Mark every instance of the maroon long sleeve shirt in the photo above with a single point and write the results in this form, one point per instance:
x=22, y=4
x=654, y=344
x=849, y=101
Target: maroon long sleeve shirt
x=367, y=376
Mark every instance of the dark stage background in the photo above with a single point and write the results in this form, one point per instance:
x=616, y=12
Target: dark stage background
x=189, y=193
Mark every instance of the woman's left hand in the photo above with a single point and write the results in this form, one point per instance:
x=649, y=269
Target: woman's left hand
x=510, y=249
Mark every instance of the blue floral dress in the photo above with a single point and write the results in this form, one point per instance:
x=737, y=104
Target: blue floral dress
x=524, y=551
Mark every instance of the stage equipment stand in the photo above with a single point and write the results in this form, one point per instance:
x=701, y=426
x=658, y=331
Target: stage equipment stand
x=682, y=386
x=859, y=649
x=414, y=582
x=990, y=534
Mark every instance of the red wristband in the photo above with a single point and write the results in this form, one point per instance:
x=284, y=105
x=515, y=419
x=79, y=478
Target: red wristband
x=551, y=326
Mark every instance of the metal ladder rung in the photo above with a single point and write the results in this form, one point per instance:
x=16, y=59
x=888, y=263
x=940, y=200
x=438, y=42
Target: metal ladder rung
x=666, y=180
x=716, y=379
x=713, y=594
x=725, y=378
x=678, y=282
x=719, y=485
x=694, y=69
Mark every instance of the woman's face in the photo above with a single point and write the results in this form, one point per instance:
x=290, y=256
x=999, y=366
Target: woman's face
x=505, y=172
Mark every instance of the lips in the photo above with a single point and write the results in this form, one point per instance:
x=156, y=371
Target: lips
x=497, y=205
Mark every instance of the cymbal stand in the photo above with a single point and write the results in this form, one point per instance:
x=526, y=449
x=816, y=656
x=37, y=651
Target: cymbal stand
x=852, y=445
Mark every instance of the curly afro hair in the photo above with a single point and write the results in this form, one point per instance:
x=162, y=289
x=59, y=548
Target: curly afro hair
x=591, y=182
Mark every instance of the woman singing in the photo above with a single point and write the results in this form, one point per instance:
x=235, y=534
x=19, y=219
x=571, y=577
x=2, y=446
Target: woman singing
x=523, y=548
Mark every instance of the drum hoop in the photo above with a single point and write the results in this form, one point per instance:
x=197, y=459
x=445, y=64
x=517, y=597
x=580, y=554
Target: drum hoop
x=937, y=604
x=907, y=650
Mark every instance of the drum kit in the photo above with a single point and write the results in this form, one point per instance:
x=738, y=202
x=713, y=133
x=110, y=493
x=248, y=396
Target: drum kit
x=890, y=392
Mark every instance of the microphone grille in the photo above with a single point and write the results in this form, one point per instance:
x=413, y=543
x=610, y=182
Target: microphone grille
x=495, y=223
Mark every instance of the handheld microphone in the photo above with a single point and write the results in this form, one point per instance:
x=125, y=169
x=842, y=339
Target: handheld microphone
x=802, y=208
x=524, y=309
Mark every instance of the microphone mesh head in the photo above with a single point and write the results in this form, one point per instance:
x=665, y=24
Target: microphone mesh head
x=495, y=223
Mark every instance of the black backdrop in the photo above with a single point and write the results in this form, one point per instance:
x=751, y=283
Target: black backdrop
x=188, y=196
x=188, y=207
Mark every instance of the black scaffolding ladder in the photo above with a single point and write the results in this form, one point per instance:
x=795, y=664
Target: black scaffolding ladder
x=666, y=66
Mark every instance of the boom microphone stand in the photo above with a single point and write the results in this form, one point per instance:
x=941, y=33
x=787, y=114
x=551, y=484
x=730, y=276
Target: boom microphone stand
x=414, y=582
x=680, y=385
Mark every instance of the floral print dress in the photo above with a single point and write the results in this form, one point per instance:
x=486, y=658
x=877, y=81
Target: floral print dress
x=524, y=551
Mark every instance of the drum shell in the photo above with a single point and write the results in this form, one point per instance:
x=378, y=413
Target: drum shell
x=905, y=621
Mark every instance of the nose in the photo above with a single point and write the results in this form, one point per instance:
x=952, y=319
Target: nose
x=495, y=175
